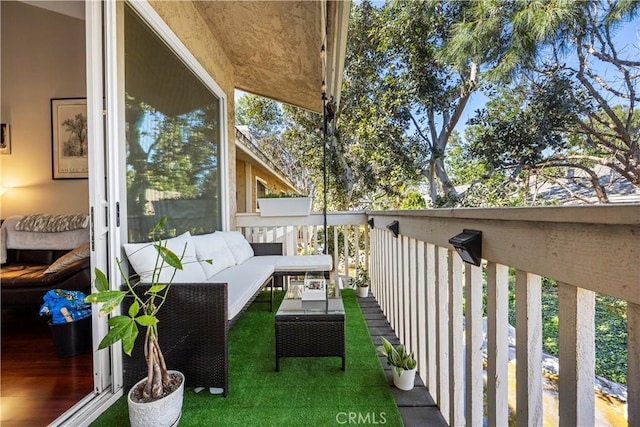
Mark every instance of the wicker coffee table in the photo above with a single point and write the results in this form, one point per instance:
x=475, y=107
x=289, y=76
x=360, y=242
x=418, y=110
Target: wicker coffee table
x=315, y=329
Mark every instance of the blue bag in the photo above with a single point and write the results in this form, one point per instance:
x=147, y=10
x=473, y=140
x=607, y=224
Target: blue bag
x=65, y=306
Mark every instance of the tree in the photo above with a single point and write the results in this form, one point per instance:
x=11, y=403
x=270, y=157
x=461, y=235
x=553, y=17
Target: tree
x=77, y=144
x=264, y=116
x=561, y=113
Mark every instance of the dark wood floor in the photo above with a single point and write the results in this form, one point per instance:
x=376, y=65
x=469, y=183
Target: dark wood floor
x=37, y=386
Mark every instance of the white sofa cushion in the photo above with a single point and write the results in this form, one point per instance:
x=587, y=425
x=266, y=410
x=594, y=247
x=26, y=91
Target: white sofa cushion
x=142, y=257
x=243, y=282
x=296, y=263
x=213, y=247
x=240, y=248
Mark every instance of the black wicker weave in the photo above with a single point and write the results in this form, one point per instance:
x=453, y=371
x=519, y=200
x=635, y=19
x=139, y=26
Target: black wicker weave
x=316, y=335
x=194, y=329
x=193, y=336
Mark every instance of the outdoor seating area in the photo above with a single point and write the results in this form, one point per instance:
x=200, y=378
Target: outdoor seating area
x=209, y=297
x=435, y=303
x=468, y=250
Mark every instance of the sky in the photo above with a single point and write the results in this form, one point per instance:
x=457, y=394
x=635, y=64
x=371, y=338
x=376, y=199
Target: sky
x=627, y=41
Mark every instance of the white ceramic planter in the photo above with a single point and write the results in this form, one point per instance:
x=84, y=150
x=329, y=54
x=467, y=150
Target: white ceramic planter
x=285, y=206
x=363, y=291
x=406, y=380
x=165, y=412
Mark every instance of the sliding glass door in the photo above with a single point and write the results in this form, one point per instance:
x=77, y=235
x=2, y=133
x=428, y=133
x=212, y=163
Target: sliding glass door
x=173, y=139
x=157, y=132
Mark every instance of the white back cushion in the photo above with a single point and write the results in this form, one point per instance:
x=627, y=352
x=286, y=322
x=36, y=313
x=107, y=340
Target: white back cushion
x=142, y=257
x=213, y=247
x=240, y=248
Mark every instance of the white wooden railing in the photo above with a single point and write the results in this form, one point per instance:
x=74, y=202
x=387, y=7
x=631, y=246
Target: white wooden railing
x=434, y=301
x=348, y=234
x=422, y=286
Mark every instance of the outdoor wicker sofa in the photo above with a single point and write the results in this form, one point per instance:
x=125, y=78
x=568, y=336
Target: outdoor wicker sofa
x=198, y=314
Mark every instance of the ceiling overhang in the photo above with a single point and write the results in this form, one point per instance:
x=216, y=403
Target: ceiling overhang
x=275, y=46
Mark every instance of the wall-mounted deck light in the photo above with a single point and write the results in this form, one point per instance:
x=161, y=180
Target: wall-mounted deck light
x=370, y=222
x=394, y=228
x=468, y=244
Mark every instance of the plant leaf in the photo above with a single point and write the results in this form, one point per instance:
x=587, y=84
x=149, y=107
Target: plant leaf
x=122, y=328
x=105, y=296
x=102, y=284
x=147, y=320
x=168, y=256
x=134, y=309
x=154, y=289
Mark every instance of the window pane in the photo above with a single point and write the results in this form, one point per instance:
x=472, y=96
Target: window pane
x=173, y=139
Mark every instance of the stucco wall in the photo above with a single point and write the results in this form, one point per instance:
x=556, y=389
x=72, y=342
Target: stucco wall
x=43, y=57
x=250, y=173
x=188, y=25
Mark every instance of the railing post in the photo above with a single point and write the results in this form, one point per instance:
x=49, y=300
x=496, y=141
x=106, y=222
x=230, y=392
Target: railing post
x=576, y=321
x=633, y=363
x=528, y=349
x=421, y=312
x=456, y=341
x=497, y=344
x=474, y=338
x=442, y=329
x=432, y=326
x=413, y=296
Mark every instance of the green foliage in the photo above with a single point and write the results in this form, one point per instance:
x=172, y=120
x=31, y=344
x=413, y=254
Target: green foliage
x=610, y=324
x=264, y=117
x=397, y=357
x=281, y=195
x=362, y=279
x=142, y=312
x=413, y=200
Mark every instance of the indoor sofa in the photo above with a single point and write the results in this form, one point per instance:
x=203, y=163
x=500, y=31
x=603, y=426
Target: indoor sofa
x=207, y=298
x=43, y=252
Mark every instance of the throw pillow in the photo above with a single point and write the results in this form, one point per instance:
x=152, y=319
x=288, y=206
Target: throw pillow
x=3, y=245
x=53, y=223
x=142, y=257
x=213, y=247
x=81, y=252
x=240, y=248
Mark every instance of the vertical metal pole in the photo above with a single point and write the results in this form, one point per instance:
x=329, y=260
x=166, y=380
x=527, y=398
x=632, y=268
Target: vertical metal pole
x=324, y=167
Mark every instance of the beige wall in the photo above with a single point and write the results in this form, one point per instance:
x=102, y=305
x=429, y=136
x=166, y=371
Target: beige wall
x=241, y=187
x=187, y=24
x=43, y=57
x=255, y=171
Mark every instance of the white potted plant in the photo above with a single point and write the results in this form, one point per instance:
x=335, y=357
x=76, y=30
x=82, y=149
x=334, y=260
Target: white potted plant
x=157, y=399
x=361, y=281
x=284, y=204
x=403, y=364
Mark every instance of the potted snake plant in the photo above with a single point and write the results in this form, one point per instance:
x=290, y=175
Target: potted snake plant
x=403, y=364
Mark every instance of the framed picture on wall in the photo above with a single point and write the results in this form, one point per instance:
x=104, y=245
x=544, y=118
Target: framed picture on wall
x=69, y=138
x=5, y=144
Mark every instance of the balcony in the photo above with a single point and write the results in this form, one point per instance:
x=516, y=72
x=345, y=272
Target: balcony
x=434, y=301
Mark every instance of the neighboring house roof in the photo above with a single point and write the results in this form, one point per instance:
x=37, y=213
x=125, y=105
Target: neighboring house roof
x=247, y=148
x=575, y=188
x=275, y=46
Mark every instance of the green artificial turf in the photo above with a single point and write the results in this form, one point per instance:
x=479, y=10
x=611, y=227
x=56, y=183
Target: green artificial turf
x=306, y=391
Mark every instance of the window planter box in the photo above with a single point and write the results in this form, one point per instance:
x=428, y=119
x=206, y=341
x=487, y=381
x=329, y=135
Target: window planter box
x=285, y=206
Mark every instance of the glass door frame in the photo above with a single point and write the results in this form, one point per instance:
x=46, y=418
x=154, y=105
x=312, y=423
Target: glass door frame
x=104, y=23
